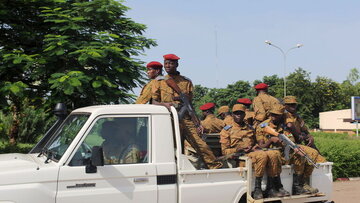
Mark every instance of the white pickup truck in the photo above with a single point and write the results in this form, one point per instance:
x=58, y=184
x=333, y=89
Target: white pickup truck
x=70, y=167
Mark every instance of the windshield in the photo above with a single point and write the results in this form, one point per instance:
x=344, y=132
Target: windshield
x=63, y=137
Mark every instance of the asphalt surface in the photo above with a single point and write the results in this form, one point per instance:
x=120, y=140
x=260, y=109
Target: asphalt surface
x=346, y=191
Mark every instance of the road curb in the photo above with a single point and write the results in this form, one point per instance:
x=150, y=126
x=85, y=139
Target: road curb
x=348, y=179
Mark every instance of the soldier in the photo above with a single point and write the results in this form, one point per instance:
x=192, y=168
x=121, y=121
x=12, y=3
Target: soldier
x=167, y=96
x=224, y=114
x=262, y=103
x=154, y=72
x=240, y=138
x=274, y=148
x=296, y=125
x=119, y=144
x=249, y=117
x=211, y=124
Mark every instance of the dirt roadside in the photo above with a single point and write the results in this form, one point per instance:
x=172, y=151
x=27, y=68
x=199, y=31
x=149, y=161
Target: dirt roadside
x=346, y=191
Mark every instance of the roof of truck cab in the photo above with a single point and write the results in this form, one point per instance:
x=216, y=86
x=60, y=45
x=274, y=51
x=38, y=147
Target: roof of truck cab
x=124, y=109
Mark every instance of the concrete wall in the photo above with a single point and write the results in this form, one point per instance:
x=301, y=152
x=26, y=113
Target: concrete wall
x=333, y=120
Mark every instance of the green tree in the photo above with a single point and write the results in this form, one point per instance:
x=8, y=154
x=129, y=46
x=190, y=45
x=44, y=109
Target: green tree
x=299, y=84
x=326, y=96
x=353, y=76
x=80, y=52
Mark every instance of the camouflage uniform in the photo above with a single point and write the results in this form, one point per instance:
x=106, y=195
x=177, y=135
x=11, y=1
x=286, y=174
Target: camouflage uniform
x=147, y=90
x=212, y=124
x=300, y=165
x=115, y=154
x=235, y=137
x=249, y=117
x=274, y=155
x=229, y=120
x=165, y=94
x=262, y=104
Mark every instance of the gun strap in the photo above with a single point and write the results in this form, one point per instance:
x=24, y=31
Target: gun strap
x=167, y=82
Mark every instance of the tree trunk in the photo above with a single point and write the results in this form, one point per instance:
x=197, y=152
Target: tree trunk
x=14, y=129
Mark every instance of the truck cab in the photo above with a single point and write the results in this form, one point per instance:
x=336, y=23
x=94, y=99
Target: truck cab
x=130, y=153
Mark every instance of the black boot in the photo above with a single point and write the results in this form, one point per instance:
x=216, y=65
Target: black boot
x=258, y=193
x=306, y=185
x=297, y=187
x=279, y=186
x=271, y=189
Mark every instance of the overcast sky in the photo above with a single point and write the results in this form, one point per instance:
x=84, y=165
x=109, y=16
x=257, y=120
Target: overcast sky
x=221, y=42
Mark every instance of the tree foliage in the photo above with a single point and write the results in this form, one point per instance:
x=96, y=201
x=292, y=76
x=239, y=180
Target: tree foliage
x=323, y=94
x=80, y=52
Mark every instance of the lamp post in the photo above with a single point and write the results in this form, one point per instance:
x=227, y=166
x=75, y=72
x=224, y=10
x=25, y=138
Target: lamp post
x=284, y=55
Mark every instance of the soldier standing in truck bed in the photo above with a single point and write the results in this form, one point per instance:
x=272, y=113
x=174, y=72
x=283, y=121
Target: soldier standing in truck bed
x=262, y=103
x=154, y=72
x=167, y=96
x=211, y=124
x=240, y=138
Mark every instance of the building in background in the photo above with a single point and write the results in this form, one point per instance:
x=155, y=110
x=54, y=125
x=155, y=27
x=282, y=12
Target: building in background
x=336, y=121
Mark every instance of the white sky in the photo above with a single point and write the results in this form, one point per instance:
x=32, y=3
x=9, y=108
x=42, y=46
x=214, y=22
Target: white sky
x=329, y=30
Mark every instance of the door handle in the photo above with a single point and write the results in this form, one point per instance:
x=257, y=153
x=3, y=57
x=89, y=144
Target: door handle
x=141, y=180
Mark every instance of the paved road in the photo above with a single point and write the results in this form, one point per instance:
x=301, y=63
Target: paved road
x=346, y=191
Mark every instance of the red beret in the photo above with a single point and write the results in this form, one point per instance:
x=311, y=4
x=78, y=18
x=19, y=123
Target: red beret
x=261, y=86
x=154, y=64
x=171, y=57
x=207, y=106
x=244, y=101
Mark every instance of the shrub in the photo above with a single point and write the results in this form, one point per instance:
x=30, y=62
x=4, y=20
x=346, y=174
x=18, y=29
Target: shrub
x=341, y=149
x=5, y=147
x=34, y=122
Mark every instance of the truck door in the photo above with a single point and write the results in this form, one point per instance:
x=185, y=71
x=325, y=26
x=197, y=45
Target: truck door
x=128, y=174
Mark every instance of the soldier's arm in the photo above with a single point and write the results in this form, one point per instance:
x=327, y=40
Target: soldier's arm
x=225, y=143
x=156, y=91
x=260, y=137
x=190, y=90
x=145, y=95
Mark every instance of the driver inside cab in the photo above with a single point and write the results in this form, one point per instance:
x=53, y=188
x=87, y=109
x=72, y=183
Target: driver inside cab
x=119, y=146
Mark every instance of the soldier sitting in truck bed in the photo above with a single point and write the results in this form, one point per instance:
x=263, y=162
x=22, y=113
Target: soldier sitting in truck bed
x=240, y=138
x=296, y=125
x=211, y=124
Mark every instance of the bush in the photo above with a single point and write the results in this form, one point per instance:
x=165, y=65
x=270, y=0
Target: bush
x=34, y=122
x=34, y=125
x=341, y=149
x=5, y=147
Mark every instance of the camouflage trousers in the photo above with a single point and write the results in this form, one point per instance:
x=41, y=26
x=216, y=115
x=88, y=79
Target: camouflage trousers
x=188, y=130
x=259, y=161
x=301, y=166
x=274, y=163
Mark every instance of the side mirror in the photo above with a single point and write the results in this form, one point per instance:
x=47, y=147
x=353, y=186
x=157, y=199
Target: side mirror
x=97, y=159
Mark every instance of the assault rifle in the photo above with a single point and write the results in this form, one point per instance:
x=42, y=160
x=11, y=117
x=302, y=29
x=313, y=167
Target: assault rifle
x=186, y=106
x=288, y=144
x=234, y=155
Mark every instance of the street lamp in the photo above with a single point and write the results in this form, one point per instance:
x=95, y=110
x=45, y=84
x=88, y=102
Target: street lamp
x=284, y=55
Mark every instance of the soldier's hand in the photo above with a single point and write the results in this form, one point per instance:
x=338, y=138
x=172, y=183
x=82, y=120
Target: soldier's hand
x=297, y=151
x=274, y=139
x=200, y=129
x=247, y=149
x=255, y=148
x=168, y=105
x=310, y=141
